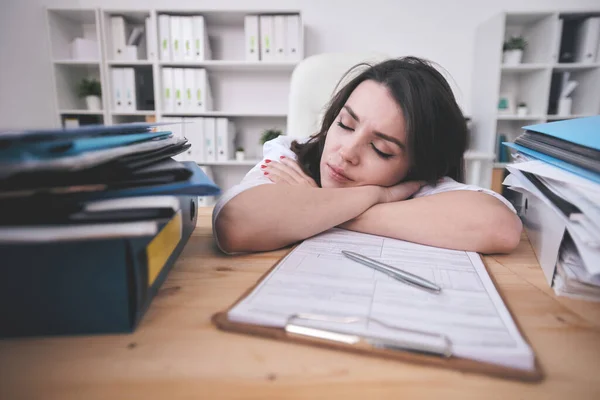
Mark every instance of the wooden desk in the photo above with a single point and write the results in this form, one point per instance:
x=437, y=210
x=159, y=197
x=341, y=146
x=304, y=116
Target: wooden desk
x=177, y=353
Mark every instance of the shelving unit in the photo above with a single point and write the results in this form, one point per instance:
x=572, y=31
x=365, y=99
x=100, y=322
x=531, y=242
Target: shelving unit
x=528, y=82
x=252, y=94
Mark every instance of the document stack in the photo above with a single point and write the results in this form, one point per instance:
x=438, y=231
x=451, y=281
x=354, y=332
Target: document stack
x=91, y=221
x=557, y=170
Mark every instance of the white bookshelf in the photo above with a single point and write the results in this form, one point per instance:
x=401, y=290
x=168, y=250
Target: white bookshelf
x=252, y=94
x=528, y=82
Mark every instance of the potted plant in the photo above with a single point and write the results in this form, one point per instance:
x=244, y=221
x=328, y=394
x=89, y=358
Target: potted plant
x=513, y=50
x=269, y=134
x=522, y=109
x=239, y=154
x=90, y=89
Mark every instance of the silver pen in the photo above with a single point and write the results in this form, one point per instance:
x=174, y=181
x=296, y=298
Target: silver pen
x=398, y=274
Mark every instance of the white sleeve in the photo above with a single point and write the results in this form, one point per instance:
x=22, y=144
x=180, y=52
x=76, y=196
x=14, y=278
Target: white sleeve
x=448, y=184
x=272, y=150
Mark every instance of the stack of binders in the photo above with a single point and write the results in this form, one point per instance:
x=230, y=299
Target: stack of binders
x=557, y=170
x=91, y=221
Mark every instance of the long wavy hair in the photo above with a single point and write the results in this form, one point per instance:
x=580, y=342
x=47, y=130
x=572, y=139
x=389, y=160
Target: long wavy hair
x=436, y=130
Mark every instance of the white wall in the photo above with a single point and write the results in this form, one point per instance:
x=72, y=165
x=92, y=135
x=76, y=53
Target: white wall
x=440, y=30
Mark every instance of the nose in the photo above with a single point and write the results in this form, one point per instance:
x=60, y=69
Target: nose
x=350, y=151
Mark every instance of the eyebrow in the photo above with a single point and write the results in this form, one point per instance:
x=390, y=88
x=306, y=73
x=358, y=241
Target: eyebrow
x=378, y=134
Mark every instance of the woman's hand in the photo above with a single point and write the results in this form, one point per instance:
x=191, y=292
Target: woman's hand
x=401, y=191
x=287, y=171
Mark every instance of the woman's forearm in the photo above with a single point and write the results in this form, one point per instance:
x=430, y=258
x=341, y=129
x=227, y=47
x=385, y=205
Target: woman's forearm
x=269, y=217
x=456, y=220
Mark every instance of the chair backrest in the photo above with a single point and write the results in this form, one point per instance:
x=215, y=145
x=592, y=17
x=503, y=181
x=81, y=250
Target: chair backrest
x=313, y=83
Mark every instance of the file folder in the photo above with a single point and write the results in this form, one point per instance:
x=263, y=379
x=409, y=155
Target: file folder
x=164, y=37
x=187, y=47
x=202, y=49
x=266, y=38
x=175, y=36
x=581, y=131
x=151, y=39
x=189, y=89
x=210, y=138
x=252, y=38
x=89, y=286
x=130, y=101
x=178, y=90
x=280, y=37
x=117, y=25
x=168, y=90
x=118, y=89
x=294, y=36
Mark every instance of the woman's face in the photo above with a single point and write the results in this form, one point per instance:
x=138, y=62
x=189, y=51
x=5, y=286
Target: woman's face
x=366, y=145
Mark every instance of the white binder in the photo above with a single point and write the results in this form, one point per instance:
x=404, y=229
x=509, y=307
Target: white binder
x=225, y=139
x=130, y=89
x=295, y=48
x=189, y=89
x=588, y=36
x=151, y=39
x=266, y=38
x=201, y=44
x=252, y=38
x=178, y=92
x=209, y=140
x=164, y=37
x=168, y=90
x=194, y=132
x=177, y=131
x=118, y=84
x=187, y=46
x=176, y=51
x=203, y=95
x=117, y=27
x=280, y=38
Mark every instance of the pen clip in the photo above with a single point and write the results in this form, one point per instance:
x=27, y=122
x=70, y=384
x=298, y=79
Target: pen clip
x=443, y=348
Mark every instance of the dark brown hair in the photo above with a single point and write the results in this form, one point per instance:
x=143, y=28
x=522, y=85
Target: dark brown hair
x=436, y=130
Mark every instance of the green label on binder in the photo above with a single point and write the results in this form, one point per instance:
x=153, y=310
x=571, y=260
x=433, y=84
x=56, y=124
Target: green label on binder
x=168, y=93
x=164, y=44
x=197, y=44
x=176, y=44
x=189, y=94
x=267, y=41
x=187, y=46
x=178, y=94
x=198, y=94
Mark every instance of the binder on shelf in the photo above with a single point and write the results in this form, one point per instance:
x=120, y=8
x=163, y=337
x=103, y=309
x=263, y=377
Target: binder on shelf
x=203, y=94
x=175, y=35
x=252, y=38
x=201, y=44
x=189, y=87
x=587, y=40
x=293, y=42
x=164, y=37
x=179, y=87
x=279, y=38
x=225, y=139
x=130, y=100
x=187, y=48
x=194, y=132
x=176, y=128
x=118, y=89
x=151, y=39
x=266, y=38
x=117, y=28
x=210, y=137
x=168, y=90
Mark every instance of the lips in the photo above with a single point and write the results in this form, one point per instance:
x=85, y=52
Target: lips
x=337, y=174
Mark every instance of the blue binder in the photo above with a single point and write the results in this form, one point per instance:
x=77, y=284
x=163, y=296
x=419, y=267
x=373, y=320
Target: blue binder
x=581, y=131
x=88, y=287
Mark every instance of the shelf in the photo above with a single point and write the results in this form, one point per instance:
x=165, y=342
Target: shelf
x=226, y=65
x=129, y=63
x=226, y=114
x=525, y=67
x=94, y=63
x=574, y=66
x=81, y=112
x=555, y=117
x=138, y=112
x=232, y=163
x=518, y=118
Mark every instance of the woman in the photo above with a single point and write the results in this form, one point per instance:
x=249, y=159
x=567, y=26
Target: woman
x=387, y=160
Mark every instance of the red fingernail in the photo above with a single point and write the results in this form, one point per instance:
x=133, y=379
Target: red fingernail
x=282, y=157
x=266, y=173
x=263, y=166
x=267, y=161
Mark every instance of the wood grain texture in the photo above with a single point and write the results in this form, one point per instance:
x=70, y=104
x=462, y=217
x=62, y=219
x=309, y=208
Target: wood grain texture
x=177, y=353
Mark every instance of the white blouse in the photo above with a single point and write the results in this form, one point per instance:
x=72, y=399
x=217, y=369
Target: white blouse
x=280, y=146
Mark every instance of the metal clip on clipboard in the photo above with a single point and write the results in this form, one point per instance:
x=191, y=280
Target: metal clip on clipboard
x=444, y=349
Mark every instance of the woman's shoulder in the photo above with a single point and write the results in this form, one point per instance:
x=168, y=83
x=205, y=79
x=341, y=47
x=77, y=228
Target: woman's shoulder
x=280, y=146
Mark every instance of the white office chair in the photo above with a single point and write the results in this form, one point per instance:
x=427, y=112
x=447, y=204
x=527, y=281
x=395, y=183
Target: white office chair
x=312, y=85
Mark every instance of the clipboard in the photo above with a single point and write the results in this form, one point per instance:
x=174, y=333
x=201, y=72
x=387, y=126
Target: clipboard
x=297, y=332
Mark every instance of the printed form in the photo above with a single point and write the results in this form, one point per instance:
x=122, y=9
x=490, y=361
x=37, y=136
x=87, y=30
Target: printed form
x=315, y=278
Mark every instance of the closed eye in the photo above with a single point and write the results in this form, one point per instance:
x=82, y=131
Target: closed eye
x=345, y=127
x=381, y=153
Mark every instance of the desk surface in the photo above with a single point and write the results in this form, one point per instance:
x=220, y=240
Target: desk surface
x=177, y=353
